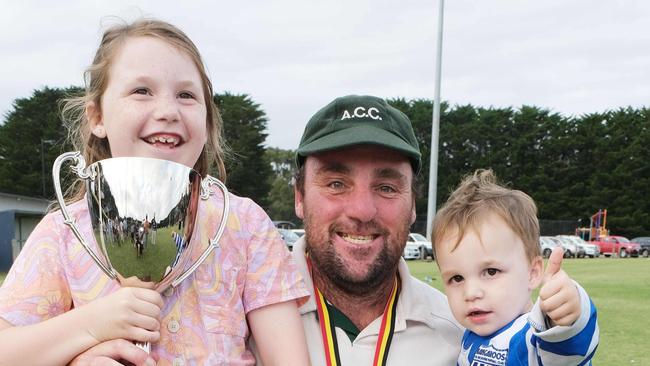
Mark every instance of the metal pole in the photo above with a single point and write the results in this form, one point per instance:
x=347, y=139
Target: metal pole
x=435, y=127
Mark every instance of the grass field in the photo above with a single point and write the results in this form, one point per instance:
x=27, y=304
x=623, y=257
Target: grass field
x=620, y=288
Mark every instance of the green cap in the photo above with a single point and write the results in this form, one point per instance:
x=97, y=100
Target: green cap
x=356, y=120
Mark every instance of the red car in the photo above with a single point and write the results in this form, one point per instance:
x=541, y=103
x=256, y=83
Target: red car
x=614, y=244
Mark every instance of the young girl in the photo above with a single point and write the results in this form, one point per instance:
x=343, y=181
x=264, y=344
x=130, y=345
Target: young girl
x=148, y=95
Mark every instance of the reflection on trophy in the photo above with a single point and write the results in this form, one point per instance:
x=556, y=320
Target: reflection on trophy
x=143, y=213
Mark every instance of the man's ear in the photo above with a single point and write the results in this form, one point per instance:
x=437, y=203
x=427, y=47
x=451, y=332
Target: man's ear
x=298, y=203
x=94, y=117
x=536, y=273
x=413, y=213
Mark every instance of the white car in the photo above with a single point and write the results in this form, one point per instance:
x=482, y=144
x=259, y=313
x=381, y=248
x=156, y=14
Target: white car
x=547, y=244
x=299, y=232
x=411, y=251
x=424, y=246
x=584, y=249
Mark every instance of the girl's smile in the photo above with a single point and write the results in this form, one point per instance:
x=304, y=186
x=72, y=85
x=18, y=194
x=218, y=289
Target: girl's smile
x=153, y=104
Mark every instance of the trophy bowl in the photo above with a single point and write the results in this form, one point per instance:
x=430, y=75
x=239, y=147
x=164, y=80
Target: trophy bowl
x=143, y=213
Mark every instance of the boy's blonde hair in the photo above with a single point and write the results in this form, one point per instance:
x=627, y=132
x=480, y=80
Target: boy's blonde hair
x=96, y=80
x=478, y=195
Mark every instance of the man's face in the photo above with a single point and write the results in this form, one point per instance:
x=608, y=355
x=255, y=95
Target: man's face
x=357, y=208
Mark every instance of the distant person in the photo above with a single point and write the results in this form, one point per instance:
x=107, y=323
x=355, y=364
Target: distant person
x=148, y=95
x=486, y=244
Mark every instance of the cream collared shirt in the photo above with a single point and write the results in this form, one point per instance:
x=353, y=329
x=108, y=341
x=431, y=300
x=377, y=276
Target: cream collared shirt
x=426, y=332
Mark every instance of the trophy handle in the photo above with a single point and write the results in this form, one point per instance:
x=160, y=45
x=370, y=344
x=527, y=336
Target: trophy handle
x=80, y=170
x=206, y=192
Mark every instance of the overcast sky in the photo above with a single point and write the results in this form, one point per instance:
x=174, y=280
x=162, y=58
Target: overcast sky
x=293, y=57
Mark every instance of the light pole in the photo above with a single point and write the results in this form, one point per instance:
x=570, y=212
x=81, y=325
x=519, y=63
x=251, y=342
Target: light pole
x=43, y=142
x=435, y=126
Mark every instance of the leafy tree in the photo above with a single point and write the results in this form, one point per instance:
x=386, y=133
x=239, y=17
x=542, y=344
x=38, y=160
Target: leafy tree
x=281, y=196
x=33, y=122
x=244, y=132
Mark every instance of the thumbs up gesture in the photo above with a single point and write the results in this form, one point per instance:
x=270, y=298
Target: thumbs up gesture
x=559, y=297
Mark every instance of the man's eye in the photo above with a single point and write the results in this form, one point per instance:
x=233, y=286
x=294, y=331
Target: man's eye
x=387, y=189
x=336, y=185
x=492, y=271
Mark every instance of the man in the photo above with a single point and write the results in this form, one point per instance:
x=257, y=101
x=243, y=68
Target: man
x=358, y=159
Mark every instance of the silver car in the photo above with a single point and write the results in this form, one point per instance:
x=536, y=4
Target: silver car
x=584, y=249
x=547, y=243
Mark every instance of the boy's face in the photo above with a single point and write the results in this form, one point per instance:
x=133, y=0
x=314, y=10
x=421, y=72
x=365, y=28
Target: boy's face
x=488, y=278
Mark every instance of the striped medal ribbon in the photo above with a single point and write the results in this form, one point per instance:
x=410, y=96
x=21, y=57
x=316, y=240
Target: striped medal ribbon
x=328, y=333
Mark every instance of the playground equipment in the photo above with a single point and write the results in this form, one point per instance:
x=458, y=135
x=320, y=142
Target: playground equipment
x=597, y=227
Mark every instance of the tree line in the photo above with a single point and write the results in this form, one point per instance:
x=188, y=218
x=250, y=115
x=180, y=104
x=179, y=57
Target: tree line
x=571, y=165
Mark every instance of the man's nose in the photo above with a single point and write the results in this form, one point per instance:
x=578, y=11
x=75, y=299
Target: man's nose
x=361, y=204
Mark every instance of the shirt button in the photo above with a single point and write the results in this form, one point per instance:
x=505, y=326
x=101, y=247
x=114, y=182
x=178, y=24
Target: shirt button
x=178, y=362
x=169, y=291
x=173, y=326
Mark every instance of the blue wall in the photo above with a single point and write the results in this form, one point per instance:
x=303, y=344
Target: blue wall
x=7, y=227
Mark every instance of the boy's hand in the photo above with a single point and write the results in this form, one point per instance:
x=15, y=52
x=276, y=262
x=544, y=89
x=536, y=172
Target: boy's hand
x=559, y=297
x=129, y=313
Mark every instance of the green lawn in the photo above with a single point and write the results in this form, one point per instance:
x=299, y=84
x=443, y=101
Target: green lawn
x=620, y=288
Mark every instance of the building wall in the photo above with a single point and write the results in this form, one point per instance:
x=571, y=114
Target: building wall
x=18, y=217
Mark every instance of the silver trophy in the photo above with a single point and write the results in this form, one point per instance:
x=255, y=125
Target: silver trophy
x=143, y=213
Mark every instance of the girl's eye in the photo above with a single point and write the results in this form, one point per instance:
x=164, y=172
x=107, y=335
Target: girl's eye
x=141, y=91
x=492, y=271
x=456, y=279
x=186, y=95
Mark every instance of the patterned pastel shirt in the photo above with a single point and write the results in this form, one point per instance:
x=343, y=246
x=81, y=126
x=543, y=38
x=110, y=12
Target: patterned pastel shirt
x=204, y=319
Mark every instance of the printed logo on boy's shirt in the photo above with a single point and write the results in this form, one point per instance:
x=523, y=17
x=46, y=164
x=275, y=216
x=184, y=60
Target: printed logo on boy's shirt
x=360, y=112
x=490, y=356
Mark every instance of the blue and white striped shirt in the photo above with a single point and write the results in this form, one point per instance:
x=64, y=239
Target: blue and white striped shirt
x=528, y=341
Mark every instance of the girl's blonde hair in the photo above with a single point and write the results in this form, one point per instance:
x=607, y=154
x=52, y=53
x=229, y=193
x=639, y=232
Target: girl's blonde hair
x=96, y=80
x=478, y=195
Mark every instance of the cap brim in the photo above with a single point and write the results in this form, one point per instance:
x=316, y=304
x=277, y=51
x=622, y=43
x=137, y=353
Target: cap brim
x=361, y=135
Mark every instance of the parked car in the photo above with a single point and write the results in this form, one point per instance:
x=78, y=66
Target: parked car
x=547, y=244
x=424, y=246
x=584, y=249
x=289, y=237
x=644, y=243
x=299, y=232
x=570, y=248
x=614, y=244
x=411, y=251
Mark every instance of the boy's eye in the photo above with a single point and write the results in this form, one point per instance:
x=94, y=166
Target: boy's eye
x=456, y=279
x=492, y=271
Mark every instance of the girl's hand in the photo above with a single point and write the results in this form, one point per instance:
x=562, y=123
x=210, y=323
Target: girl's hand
x=131, y=313
x=111, y=353
x=559, y=297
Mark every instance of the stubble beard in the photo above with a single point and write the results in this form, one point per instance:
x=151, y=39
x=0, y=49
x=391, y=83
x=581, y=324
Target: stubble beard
x=330, y=264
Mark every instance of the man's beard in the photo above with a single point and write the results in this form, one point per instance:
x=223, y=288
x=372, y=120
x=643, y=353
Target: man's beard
x=332, y=266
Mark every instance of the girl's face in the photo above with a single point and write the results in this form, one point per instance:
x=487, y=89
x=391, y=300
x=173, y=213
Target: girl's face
x=153, y=105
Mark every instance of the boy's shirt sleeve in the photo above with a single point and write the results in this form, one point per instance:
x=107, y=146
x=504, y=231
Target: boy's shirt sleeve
x=566, y=345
